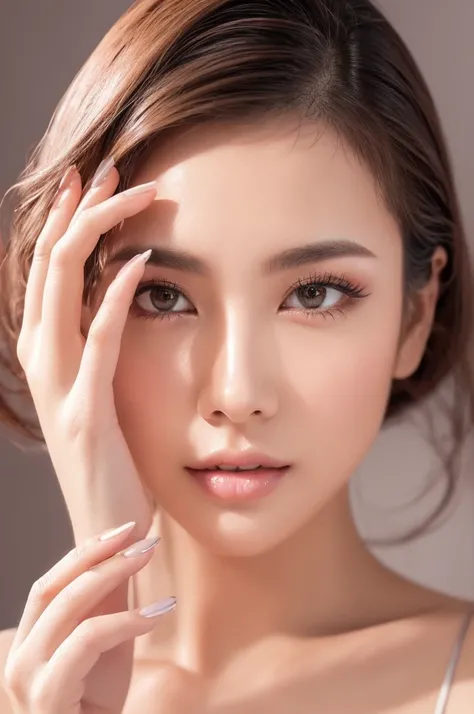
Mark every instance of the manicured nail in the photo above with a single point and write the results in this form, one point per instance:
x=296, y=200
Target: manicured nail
x=158, y=608
x=143, y=188
x=66, y=179
x=102, y=171
x=140, y=258
x=142, y=546
x=66, y=182
x=112, y=532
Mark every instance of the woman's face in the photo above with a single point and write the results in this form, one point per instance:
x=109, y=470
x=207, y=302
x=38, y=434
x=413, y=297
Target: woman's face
x=251, y=347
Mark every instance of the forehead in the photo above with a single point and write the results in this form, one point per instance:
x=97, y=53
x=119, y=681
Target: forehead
x=267, y=188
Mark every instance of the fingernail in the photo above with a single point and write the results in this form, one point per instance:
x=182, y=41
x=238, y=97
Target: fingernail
x=66, y=181
x=102, y=171
x=142, y=546
x=67, y=178
x=112, y=532
x=143, y=188
x=158, y=608
x=141, y=257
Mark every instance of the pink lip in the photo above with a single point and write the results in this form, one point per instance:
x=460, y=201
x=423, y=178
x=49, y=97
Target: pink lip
x=239, y=486
x=243, y=458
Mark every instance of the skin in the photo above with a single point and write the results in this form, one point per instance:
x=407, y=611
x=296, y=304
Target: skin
x=243, y=374
x=281, y=589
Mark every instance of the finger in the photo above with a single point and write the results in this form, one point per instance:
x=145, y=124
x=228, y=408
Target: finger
x=63, y=294
x=45, y=589
x=77, y=600
x=60, y=218
x=102, y=348
x=78, y=654
x=94, y=195
x=56, y=225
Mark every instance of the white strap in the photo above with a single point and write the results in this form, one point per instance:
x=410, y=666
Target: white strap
x=448, y=680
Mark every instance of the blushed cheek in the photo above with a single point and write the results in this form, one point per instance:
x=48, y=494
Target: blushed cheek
x=344, y=385
x=153, y=393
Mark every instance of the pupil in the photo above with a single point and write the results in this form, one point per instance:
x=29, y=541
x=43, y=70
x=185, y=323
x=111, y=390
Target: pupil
x=165, y=296
x=311, y=294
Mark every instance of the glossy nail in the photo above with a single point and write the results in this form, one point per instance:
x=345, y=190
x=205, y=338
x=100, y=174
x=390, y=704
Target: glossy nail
x=143, y=188
x=140, y=258
x=158, y=608
x=142, y=546
x=66, y=182
x=113, y=532
x=102, y=171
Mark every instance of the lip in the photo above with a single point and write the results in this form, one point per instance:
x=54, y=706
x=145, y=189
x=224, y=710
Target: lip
x=237, y=459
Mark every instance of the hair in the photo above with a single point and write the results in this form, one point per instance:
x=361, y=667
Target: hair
x=169, y=65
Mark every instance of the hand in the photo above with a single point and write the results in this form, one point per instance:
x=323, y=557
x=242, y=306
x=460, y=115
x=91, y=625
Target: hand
x=62, y=660
x=70, y=378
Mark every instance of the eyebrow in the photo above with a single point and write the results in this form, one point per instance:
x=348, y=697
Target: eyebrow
x=291, y=258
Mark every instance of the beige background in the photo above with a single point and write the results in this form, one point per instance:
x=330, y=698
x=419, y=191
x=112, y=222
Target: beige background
x=42, y=45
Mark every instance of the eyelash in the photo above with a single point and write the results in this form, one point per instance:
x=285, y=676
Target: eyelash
x=352, y=292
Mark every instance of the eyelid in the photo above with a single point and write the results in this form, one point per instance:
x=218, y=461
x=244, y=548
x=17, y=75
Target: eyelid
x=339, y=282
x=352, y=289
x=159, y=282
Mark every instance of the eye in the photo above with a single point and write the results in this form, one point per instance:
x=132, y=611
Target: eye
x=159, y=299
x=312, y=296
x=323, y=295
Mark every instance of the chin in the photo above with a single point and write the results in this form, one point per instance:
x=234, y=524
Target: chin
x=232, y=532
x=249, y=528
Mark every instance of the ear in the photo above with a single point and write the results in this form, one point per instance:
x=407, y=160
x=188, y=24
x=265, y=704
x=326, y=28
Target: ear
x=419, y=323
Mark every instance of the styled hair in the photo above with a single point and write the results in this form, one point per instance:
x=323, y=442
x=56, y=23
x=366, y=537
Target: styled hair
x=170, y=65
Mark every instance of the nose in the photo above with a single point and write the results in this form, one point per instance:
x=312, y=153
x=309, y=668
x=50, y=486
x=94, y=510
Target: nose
x=240, y=382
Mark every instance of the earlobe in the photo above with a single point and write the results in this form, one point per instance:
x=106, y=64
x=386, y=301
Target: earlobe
x=419, y=324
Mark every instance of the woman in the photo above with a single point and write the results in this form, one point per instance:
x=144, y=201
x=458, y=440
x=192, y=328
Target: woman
x=299, y=276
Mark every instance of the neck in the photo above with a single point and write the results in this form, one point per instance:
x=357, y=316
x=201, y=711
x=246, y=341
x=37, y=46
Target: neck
x=321, y=581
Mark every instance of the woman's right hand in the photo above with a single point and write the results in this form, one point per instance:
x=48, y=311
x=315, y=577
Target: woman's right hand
x=62, y=660
x=70, y=377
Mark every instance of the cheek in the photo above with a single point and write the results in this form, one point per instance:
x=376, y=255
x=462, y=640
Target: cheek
x=340, y=376
x=152, y=386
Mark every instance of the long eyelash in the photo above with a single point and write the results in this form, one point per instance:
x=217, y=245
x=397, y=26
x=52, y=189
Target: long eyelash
x=147, y=285
x=346, y=286
x=331, y=280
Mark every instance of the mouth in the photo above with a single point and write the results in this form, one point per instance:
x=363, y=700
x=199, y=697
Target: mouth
x=228, y=482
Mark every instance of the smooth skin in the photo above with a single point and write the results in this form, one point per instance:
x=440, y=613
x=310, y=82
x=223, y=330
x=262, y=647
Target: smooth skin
x=280, y=607
x=70, y=654
x=61, y=660
x=70, y=378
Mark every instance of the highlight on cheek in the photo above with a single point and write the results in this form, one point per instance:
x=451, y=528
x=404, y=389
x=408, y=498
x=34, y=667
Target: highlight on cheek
x=313, y=296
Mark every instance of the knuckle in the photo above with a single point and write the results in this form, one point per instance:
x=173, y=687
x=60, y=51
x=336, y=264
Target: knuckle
x=42, y=249
x=83, y=548
x=59, y=255
x=13, y=678
x=42, y=590
x=86, y=633
x=97, y=336
x=84, y=219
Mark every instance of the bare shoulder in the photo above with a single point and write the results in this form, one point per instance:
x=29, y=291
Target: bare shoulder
x=6, y=640
x=443, y=653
